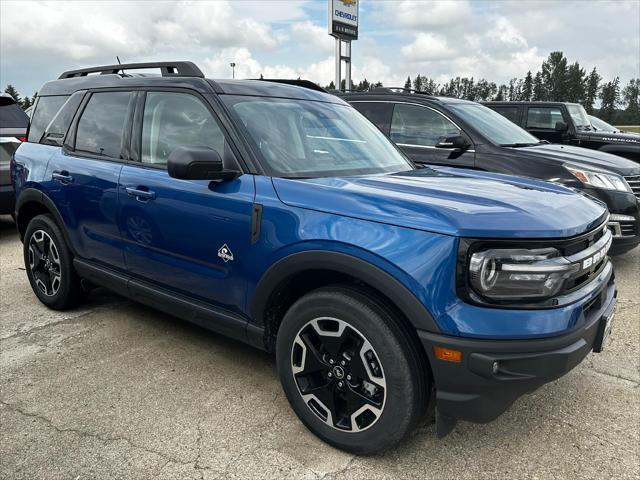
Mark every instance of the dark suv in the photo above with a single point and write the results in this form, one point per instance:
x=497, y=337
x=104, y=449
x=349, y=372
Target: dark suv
x=278, y=215
x=568, y=123
x=458, y=133
x=13, y=130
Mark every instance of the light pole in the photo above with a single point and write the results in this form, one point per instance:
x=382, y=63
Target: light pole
x=233, y=69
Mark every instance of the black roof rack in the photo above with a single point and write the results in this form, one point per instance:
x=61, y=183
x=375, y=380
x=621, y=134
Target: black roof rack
x=300, y=83
x=167, y=69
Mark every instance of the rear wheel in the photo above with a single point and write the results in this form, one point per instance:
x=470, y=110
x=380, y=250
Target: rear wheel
x=49, y=264
x=350, y=372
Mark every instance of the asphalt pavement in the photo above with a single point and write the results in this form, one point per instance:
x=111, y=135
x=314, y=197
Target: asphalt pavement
x=118, y=390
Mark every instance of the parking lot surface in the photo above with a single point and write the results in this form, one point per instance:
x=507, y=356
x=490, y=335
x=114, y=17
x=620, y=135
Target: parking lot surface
x=118, y=390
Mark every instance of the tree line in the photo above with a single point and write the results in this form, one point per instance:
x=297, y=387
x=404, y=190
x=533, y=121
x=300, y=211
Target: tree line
x=556, y=81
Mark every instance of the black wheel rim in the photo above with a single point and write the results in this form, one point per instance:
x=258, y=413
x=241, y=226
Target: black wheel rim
x=338, y=374
x=44, y=263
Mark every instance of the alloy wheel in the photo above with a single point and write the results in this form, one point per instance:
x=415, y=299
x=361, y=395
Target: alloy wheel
x=44, y=263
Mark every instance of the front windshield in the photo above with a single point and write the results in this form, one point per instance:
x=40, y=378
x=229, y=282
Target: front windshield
x=579, y=117
x=601, y=125
x=303, y=138
x=492, y=125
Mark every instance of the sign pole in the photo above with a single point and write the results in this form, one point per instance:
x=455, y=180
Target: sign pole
x=338, y=62
x=347, y=64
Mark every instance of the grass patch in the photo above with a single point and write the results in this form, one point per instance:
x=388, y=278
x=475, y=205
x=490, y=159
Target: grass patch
x=634, y=128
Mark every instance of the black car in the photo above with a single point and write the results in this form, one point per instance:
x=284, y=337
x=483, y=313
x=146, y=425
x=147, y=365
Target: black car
x=567, y=123
x=458, y=133
x=13, y=129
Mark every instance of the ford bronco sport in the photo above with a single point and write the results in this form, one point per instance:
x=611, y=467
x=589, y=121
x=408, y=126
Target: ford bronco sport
x=276, y=214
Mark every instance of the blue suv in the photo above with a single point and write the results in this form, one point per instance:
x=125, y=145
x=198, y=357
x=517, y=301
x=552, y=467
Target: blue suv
x=275, y=213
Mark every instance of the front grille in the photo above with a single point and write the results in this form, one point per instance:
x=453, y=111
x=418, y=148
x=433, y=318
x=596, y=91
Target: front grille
x=628, y=229
x=634, y=183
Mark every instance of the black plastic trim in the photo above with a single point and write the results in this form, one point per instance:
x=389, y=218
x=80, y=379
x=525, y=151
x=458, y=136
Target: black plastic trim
x=393, y=289
x=167, y=69
x=256, y=222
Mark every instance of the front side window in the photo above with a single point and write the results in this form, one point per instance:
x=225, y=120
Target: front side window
x=579, y=116
x=173, y=120
x=543, y=117
x=415, y=125
x=492, y=125
x=101, y=126
x=377, y=112
x=303, y=138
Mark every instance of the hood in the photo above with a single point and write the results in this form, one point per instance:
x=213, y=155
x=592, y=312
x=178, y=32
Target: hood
x=626, y=138
x=450, y=201
x=582, y=157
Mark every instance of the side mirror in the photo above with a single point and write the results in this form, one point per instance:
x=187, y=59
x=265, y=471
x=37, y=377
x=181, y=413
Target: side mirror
x=561, y=127
x=457, y=142
x=198, y=163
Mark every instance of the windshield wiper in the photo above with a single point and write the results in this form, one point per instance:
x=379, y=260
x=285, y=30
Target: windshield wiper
x=517, y=145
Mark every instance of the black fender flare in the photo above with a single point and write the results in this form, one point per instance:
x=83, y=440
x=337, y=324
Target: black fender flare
x=29, y=195
x=393, y=289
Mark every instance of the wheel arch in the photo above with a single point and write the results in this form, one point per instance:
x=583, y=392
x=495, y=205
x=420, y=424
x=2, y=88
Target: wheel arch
x=297, y=274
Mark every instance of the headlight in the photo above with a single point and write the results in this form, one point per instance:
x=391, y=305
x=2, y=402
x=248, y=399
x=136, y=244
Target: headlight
x=608, y=181
x=519, y=274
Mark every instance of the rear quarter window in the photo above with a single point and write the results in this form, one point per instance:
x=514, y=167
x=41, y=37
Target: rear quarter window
x=510, y=113
x=45, y=110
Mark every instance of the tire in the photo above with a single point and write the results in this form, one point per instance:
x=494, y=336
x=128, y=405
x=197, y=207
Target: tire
x=328, y=323
x=43, y=240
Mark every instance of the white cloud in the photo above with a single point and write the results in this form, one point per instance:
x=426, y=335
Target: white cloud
x=420, y=15
x=427, y=46
x=308, y=33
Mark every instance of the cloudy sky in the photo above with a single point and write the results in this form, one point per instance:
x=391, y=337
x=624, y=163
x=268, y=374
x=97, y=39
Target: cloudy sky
x=498, y=40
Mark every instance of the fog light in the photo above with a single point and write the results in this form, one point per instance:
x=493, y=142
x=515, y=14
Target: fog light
x=447, y=354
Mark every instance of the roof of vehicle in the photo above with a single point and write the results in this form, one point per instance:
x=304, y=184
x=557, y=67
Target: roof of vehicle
x=180, y=74
x=390, y=95
x=525, y=102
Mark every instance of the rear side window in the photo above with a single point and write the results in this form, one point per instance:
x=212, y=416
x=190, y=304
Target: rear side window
x=55, y=132
x=543, y=117
x=101, y=126
x=173, y=120
x=414, y=125
x=45, y=110
x=379, y=113
x=510, y=113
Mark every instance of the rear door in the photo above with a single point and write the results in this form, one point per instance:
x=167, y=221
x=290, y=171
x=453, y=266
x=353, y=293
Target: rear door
x=541, y=122
x=189, y=236
x=416, y=129
x=83, y=175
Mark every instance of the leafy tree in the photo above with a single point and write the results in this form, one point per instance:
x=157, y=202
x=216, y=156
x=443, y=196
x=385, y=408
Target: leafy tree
x=576, y=84
x=631, y=98
x=554, y=76
x=527, y=87
x=592, y=89
x=407, y=84
x=610, y=97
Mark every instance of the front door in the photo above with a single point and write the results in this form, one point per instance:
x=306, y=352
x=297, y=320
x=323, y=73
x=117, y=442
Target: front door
x=189, y=236
x=417, y=129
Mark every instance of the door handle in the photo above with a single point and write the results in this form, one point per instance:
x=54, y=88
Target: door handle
x=62, y=177
x=139, y=194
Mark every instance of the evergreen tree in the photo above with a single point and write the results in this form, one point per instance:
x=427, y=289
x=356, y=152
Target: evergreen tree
x=363, y=86
x=539, y=91
x=417, y=83
x=407, y=84
x=13, y=92
x=527, y=87
x=576, y=84
x=26, y=103
x=331, y=86
x=609, y=96
x=592, y=89
x=554, y=76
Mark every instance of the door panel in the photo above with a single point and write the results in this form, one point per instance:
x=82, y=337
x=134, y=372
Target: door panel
x=173, y=237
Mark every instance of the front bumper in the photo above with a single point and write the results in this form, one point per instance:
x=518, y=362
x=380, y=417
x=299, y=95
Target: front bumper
x=474, y=390
x=624, y=222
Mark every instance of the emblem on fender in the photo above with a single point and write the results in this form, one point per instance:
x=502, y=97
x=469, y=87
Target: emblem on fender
x=225, y=253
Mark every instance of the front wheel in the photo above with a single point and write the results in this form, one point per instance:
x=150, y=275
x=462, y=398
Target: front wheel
x=351, y=373
x=48, y=262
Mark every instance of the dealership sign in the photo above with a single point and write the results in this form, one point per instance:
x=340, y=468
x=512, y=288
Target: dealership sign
x=343, y=19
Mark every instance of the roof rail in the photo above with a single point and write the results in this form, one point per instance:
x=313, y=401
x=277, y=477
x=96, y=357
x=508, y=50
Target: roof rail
x=410, y=90
x=167, y=69
x=299, y=83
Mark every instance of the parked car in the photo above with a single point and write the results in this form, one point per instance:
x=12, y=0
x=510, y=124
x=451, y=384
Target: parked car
x=600, y=125
x=567, y=123
x=458, y=133
x=278, y=215
x=13, y=130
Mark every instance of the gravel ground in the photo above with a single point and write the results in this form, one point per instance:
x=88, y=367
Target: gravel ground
x=118, y=390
